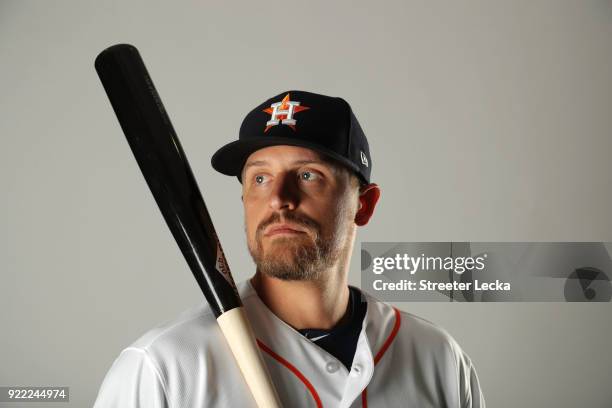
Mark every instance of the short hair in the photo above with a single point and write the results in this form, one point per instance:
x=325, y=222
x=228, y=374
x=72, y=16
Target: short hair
x=354, y=180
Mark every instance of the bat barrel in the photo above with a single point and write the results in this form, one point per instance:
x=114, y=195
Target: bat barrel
x=166, y=169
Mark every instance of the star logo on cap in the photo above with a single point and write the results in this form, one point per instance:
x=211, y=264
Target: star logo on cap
x=282, y=113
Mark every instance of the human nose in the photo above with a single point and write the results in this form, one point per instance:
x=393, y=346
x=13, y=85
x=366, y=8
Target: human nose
x=284, y=193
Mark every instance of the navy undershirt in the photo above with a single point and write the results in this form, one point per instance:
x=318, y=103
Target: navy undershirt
x=341, y=341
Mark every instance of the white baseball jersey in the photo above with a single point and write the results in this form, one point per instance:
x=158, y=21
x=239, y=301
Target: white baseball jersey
x=401, y=361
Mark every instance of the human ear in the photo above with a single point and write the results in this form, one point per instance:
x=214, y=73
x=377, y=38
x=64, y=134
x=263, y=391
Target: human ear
x=368, y=197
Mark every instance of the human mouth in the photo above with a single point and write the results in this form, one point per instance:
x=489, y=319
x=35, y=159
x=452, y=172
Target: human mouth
x=286, y=229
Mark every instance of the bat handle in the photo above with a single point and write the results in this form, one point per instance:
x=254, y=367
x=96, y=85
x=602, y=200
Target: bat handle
x=240, y=337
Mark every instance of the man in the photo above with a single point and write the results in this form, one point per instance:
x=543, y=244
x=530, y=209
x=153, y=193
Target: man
x=304, y=165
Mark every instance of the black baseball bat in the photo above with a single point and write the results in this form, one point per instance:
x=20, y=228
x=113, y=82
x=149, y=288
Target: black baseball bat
x=164, y=165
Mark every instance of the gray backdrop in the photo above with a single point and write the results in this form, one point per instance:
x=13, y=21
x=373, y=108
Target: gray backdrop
x=488, y=121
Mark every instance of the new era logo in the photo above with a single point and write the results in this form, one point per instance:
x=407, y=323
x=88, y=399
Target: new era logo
x=364, y=159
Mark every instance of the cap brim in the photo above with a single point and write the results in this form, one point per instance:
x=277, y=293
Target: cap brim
x=230, y=159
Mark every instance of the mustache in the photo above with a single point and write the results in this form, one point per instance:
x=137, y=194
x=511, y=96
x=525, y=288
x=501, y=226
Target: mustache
x=298, y=219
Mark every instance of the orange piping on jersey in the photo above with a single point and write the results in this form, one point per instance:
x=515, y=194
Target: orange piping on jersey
x=383, y=349
x=364, y=398
x=294, y=370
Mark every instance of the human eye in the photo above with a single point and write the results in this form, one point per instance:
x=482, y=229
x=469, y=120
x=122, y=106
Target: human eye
x=259, y=179
x=308, y=175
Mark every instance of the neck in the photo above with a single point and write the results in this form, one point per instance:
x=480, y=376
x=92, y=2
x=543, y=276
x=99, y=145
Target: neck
x=307, y=304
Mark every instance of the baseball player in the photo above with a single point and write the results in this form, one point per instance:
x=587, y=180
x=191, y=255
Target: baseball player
x=304, y=165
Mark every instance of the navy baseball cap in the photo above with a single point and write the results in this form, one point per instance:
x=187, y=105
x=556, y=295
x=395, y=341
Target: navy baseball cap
x=322, y=123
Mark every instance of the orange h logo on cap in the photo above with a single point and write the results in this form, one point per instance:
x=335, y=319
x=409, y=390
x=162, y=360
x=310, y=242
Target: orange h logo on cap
x=282, y=113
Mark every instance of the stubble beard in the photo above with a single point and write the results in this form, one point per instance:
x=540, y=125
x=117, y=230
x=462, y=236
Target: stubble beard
x=298, y=258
